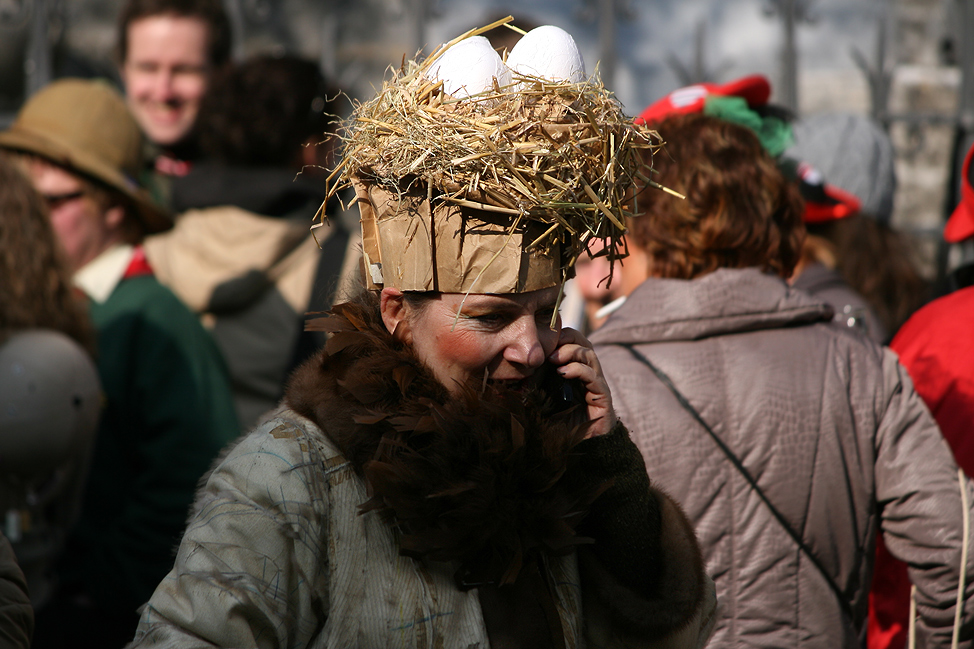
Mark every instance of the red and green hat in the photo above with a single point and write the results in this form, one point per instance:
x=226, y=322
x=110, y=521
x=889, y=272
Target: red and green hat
x=739, y=101
x=754, y=89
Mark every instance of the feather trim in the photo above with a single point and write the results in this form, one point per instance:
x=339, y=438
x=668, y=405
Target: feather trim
x=473, y=477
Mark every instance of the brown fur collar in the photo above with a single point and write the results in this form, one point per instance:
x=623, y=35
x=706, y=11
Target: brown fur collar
x=472, y=477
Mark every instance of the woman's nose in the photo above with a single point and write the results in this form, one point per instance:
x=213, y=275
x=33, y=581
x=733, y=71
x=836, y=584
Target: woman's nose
x=525, y=348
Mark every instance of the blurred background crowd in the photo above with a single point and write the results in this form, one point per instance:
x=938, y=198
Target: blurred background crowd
x=123, y=112
x=902, y=62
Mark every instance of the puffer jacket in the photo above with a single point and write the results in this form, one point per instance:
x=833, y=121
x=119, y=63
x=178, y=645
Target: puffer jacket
x=851, y=309
x=937, y=349
x=829, y=426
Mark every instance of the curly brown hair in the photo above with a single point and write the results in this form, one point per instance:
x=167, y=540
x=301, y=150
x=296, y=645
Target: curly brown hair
x=878, y=262
x=739, y=212
x=35, y=283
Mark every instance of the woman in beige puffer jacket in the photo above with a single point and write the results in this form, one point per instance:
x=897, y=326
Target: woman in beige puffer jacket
x=825, y=422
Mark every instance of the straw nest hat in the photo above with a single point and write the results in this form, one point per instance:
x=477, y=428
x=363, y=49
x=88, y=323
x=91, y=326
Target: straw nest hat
x=85, y=127
x=477, y=174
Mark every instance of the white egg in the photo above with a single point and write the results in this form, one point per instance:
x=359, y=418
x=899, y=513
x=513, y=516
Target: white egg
x=548, y=52
x=469, y=67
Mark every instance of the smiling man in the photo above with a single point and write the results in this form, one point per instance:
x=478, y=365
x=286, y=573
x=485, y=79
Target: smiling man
x=168, y=51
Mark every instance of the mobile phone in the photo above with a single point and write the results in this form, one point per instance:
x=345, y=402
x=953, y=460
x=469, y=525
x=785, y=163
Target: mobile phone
x=569, y=391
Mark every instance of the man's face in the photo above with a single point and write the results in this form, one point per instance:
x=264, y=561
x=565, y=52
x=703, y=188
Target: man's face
x=166, y=73
x=83, y=229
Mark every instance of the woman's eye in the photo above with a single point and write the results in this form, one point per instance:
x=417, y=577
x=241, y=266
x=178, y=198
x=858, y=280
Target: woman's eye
x=490, y=318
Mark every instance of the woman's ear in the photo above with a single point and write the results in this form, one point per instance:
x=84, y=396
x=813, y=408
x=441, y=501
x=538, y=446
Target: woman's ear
x=394, y=310
x=114, y=217
x=633, y=271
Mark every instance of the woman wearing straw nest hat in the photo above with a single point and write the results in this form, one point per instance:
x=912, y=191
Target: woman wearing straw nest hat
x=168, y=408
x=448, y=470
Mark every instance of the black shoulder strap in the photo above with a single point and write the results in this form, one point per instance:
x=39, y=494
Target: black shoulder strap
x=327, y=277
x=665, y=380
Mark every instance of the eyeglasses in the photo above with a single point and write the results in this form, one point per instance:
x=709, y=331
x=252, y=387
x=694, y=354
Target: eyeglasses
x=55, y=201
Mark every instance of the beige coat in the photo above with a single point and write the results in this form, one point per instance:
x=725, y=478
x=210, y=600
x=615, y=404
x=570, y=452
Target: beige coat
x=249, y=278
x=827, y=423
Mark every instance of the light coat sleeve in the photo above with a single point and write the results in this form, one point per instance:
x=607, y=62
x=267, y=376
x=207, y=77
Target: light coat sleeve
x=251, y=570
x=919, y=496
x=16, y=613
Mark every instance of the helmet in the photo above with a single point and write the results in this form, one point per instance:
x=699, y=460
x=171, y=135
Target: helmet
x=50, y=400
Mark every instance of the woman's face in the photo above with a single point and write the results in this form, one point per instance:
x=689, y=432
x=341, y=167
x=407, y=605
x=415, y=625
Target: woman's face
x=506, y=337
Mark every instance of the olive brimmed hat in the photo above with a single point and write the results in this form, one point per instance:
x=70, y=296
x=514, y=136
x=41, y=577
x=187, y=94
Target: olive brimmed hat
x=84, y=126
x=498, y=185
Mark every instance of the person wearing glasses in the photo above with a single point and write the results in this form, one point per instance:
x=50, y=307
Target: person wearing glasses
x=168, y=408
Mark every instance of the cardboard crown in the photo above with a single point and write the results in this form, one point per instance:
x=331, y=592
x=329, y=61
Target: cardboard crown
x=415, y=245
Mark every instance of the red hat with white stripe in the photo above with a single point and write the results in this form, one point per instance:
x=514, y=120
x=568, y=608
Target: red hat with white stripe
x=823, y=201
x=754, y=89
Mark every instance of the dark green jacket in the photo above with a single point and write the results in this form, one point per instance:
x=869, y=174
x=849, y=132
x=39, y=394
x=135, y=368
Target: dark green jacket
x=168, y=412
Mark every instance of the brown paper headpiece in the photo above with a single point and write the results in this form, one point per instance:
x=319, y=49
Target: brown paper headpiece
x=415, y=244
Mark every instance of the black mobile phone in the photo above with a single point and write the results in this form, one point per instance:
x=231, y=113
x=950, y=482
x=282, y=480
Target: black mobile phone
x=569, y=391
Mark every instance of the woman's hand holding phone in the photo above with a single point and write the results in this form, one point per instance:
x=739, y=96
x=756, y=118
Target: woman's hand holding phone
x=574, y=359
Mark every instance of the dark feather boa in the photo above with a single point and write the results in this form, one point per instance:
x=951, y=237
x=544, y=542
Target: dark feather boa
x=472, y=477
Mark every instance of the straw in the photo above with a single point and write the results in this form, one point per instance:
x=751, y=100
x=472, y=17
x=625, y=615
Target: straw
x=559, y=153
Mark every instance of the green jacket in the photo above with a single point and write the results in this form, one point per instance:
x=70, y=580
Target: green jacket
x=168, y=412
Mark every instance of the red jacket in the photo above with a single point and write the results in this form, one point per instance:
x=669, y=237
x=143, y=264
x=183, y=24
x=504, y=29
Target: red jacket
x=936, y=346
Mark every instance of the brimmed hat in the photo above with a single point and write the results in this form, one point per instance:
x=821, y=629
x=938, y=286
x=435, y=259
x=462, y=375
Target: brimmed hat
x=960, y=225
x=823, y=202
x=754, y=89
x=85, y=127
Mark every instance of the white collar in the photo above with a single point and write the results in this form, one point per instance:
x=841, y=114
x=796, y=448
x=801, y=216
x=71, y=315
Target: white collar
x=611, y=307
x=99, y=277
